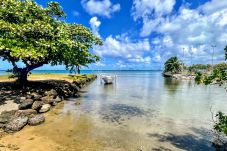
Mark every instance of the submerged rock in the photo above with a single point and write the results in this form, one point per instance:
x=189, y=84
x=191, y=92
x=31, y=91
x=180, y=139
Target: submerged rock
x=45, y=108
x=26, y=104
x=36, y=120
x=16, y=124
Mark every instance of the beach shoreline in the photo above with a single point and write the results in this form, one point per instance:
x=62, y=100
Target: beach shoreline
x=26, y=105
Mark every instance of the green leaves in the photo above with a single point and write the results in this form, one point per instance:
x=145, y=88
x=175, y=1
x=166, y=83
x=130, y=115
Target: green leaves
x=221, y=124
x=173, y=65
x=34, y=35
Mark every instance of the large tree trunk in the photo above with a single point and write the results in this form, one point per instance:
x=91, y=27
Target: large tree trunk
x=22, y=73
x=23, y=76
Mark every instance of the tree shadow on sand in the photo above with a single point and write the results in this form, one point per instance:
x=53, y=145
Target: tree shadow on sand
x=186, y=141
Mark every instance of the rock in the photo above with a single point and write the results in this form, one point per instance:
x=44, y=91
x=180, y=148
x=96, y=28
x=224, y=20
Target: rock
x=47, y=99
x=45, y=108
x=6, y=116
x=52, y=92
x=16, y=124
x=28, y=97
x=36, y=120
x=57, y=99
x=36, y=96
x=22, y=98
x=26, y=104
x=4, y=119
x=37, y=105
x=2, y=125
x=27, y=112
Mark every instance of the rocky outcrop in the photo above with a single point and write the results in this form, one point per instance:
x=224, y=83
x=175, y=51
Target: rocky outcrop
x=36, y=98
x=36, y=120
x=45, y=108
x=16, y=124
x=26, y=104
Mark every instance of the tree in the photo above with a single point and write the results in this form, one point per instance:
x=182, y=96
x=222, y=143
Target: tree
x=173, y=65
x=36, y=36
x=219, y=75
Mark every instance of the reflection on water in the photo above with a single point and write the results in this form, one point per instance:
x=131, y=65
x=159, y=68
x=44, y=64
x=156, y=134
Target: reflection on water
x=171, y=85
x=142, y=112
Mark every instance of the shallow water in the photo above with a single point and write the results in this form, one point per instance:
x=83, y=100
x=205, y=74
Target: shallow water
x=141, y=112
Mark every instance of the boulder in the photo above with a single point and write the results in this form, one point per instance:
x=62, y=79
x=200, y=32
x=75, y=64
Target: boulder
x=47, y=99
x=52, y=92
x=26, y=104
x=37, y=105
x=28, y=96
x=16, y=124
x=45, y=108
x=22, y=98
x=57, y=99
x=36, y=119
x=36, y=96
x=27, y=112
x=6, y=116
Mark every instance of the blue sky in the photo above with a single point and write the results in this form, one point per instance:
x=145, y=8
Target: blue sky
x=143, y=34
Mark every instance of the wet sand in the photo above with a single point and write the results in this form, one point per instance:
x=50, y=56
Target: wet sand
x=69, y=130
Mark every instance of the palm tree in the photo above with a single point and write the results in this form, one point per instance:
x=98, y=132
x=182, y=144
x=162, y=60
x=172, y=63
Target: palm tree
x=173, y=65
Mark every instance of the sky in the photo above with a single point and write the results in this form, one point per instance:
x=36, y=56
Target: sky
x=143, y=34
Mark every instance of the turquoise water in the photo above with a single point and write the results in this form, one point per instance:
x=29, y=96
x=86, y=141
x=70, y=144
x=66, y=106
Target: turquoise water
x=157, y=112
x=142, y=111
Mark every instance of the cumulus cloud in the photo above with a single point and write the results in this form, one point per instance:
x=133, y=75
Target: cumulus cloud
x=123, y=47
x=151, y=13
x=100, y=7
x=95, y=23
x=195, y=30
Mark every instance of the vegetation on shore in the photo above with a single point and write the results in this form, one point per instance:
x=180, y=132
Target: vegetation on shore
x=219, y=76
x=34, y=35
x=173, y=66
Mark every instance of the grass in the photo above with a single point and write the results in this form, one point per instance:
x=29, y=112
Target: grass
x=51, y=76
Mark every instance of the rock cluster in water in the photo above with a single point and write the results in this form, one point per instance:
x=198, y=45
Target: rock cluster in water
x=34, y=100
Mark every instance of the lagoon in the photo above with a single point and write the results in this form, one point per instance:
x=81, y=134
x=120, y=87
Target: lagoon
x=142, y=111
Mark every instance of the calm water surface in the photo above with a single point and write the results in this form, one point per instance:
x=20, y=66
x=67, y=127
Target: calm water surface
x=147, y=106
x=141, y=112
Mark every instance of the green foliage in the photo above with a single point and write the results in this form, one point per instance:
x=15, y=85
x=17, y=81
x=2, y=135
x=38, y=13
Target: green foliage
x=218, y=75
x=221, y=124
x=196, y=67
x=35, y=35
x=199, y=78
x=173, y=65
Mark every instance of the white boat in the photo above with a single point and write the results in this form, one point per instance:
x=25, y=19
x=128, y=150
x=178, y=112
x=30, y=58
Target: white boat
x=107, y=79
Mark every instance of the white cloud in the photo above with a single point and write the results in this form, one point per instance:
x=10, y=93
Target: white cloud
x=100, y=7
x=124, y=48
x=95, y=23
x=192, y=29
x=151, y=12
x=213, y=6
